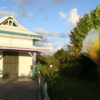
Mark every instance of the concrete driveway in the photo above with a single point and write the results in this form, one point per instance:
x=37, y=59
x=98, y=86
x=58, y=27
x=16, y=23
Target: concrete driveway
x=18, y=89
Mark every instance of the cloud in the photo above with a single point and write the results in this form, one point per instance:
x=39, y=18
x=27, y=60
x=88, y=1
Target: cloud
x=45, y=16
x=38, y=1
x=73, y=16
x=7, y=13
x=3, y=7
x=55, y=48
x=62, y=15
x=45, y=43
x=58, y=1
x=28, y=14
x=49, y=46
x=45, y=32
x=49, y=40
x=24, y=13
x=63, y=35
x=58, y=47
x=23, y=2
x=22, y=6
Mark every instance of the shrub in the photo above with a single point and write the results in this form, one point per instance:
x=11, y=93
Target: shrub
x=81, y=67
x=56, y=88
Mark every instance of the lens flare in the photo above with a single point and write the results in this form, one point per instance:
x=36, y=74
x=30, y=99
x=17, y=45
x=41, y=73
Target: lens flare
x=95, y=51
x=91, y=45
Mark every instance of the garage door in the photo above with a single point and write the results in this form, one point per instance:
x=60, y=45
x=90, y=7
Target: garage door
x=10, y=64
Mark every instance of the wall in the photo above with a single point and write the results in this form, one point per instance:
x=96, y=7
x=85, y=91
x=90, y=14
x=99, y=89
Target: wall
x=15, y=41
x=1, y=64
x=25, y=61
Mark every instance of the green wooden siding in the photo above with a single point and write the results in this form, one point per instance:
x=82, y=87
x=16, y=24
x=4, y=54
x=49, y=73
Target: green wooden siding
x=33, y=42
x=21, y=34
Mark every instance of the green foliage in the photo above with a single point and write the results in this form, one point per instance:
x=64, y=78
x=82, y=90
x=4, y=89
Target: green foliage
x=95, y=16
x=71, y=70
x=56, y=89
x=46, y=60
x=88, y=68
x=79, y=33
x=71, y=63
x=65, y=88
x=41, y=59
x=82, y=67
x=61, y=56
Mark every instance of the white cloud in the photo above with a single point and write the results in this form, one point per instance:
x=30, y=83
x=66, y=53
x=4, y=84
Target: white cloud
x=24, y=13
x=29, y=14
x=39, y=30
x=48, y=41
x=63, y=35
x=52, y=49
x=59, y=47
x=7, y=13
x=73, y=16
x=58, y=1
x=45, y=43
x=55, y=48
x=23, y=2
x=45, y=32
x=22, y=6
x=3, y=7
x=62, y=15
x=49, y=46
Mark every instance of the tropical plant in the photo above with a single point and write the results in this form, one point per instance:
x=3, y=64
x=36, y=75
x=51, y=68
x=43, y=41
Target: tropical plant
x=78, y=34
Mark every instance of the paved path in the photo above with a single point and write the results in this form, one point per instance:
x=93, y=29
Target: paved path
x=18, y=89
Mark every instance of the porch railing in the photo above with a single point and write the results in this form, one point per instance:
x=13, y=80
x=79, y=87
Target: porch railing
x=43, y=95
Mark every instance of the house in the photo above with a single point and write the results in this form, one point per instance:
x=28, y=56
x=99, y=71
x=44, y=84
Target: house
x=17, y=48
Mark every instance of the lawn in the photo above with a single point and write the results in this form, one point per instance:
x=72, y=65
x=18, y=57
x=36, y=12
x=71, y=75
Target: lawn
x=79, y=89
x=65, y=88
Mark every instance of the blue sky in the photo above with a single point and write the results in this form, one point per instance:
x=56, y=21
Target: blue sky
x=51, y=18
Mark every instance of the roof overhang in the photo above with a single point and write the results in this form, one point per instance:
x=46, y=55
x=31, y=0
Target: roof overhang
x=22, y=49
x=21, y=34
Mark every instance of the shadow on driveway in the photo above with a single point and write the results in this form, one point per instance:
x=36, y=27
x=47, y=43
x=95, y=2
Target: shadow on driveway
x=18, y=89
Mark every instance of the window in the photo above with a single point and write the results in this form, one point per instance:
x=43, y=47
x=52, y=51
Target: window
x=10, y=23
x=6, y=23
x=14, y=24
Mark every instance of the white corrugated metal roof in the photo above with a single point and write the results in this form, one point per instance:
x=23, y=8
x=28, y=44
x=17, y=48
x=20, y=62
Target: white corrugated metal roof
x=3, y=19
x=19, y=28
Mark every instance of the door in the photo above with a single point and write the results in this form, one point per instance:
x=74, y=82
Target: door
x=10, y=64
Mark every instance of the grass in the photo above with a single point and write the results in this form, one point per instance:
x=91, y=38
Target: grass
x=80, y=90
x=65, y=88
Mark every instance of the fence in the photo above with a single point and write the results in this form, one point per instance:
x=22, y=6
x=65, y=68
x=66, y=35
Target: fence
x=42, y=88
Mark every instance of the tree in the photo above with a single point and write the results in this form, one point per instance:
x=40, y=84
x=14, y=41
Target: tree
x=95, y=16
x=94, y=48
x=61, y=56
x=79, y=33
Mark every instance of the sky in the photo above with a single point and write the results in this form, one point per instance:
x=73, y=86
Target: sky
x=53, y=19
